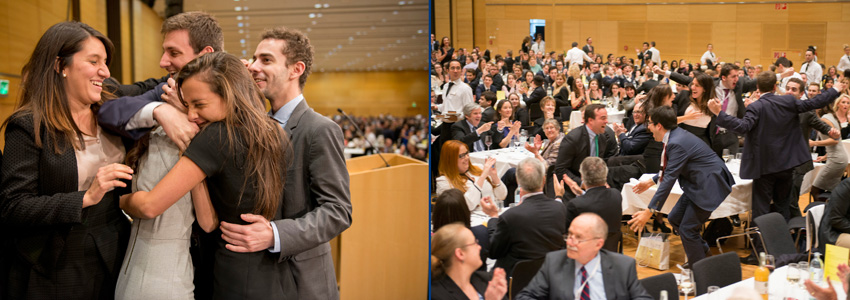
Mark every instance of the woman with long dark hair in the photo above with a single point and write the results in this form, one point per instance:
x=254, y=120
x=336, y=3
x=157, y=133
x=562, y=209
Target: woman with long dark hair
x=242, y=154
x=446, y=51
x=62, y=176
x=697, y=116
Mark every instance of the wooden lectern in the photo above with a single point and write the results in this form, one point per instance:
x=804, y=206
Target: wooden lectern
x=385, y=254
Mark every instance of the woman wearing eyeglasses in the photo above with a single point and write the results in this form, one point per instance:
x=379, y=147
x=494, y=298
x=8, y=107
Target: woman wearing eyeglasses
x=454, y=261
x=456, y=172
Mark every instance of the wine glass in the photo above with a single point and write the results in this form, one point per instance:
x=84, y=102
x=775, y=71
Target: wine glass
x=686, y=282
x=517, y=142
x=770, y=262
x=793, y=274
x=488, y=140
x=711, y=290
x=726, y=156
x=803, y=268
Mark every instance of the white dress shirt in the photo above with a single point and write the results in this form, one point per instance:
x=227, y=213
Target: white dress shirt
x=473, y=194
x=732, y=105
x=813, y=71
x=708, y=55
x=458, y=96
x=656, y=56
x=843, y=63
x=577, y=56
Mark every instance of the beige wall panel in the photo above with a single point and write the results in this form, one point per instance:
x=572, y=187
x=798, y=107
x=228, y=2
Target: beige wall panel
x=368, y=93
x=801, y=35
x=147, y=43
x=606, y=39
x=761, y=13
x=629, y=13
x=837, y=34
x=588, y=29
x=463, y=24
x=5, y=64
x=442, y=18
x=571, y=32
x=672, y=13
x=814, y=12
x=668, y=37
x=631, y=34
x=723, y=37
x=774, y=38
x=845, y=12
x=24, y=32
x=712, y=13
x=93, y=13
x=126, y=50
x=589, y=13
x=480, y=23
x=699, y=35
x=749, y=45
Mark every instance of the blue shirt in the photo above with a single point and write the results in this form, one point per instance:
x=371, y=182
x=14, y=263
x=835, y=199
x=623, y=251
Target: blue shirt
x=282, y=115
x=594, y=278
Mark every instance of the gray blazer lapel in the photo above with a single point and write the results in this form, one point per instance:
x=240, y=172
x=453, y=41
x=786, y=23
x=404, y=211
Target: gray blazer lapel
x=296, y=117
x=571, y=277
x=609, y=279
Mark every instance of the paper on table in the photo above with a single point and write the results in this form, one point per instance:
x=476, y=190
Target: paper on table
x=835, y=255
x=500, y=95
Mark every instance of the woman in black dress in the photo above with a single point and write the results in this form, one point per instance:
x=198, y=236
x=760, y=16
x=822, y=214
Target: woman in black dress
x=241, y=153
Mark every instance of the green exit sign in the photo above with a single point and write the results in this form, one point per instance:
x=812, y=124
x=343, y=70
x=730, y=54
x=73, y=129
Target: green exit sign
x=4, y=87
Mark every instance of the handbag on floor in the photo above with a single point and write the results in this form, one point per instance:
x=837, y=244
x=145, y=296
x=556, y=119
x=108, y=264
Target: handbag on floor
x=653, y=251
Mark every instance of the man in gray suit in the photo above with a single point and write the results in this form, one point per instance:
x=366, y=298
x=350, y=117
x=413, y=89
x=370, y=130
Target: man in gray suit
x=585, y=270
x=316, y=203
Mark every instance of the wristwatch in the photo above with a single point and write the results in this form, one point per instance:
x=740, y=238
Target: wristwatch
x=652, y=210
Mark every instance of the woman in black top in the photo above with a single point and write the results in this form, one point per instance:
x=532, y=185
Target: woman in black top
x=455, y=258
x=241, y=154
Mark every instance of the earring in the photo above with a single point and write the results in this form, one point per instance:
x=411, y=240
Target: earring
x=64, y=75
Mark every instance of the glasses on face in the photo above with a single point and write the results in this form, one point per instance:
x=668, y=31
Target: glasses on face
x=568, y=237
x=467, y=245
x=463, y=155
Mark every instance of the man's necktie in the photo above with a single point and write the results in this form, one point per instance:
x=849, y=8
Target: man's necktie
x=449, y=88
x=663, y=163
x=596, y=143
x=585, y=291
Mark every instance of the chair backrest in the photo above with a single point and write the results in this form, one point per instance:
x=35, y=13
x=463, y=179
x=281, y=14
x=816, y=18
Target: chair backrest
x=776, y=234
x=720, y=270
x=662, y=282
x=565, y=112
x=522, y=274
x=612, y=242
x=549, y=187
x=813, y=217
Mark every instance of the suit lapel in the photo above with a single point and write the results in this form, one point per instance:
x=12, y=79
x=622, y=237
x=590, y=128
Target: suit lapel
x=292, y=123
x=608, y=276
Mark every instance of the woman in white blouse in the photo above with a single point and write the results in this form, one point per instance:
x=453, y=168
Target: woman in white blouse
x=475, y=183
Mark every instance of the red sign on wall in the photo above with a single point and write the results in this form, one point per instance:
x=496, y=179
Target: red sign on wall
x=777, y=54
x=781, y=6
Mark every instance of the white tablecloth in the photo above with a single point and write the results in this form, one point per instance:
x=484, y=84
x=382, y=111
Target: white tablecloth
x=777, y=285
x=738, y=201
x=506, y=158
x=614, y=116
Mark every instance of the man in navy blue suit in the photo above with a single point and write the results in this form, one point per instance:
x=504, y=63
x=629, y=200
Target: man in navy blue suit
x=486, y=86
x=701, y=173
x=774, y=145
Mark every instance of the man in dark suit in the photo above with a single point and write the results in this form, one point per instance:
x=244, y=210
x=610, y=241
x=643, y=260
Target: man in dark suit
x=585, y=270
x=771, y=121
x=644, y=55
x=588, y=48
x=532, y=102
x=494, y=74
x=531, y=229
x=599, y=199
x=509, y=61
x=471, y=131
x=808, y=121
x=317, y=206
x=487, y=86
x=486, y=101
x=701, y=173
x=633, y=140
x=579, y=143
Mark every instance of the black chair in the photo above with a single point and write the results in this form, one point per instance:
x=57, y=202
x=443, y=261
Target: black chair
x=798, y=224
x=776, y=235
x=549, y=187
x=565, y=112
x=720, y=270
x=522, y=274
x=662, y=282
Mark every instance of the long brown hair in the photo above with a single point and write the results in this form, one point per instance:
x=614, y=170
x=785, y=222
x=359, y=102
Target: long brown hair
x=246, y=122
x=707, y=84
x=43, y=93
x=448, y=165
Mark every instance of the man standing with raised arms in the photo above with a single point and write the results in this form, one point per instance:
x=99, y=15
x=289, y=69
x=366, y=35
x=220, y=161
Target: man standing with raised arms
x=316, y=202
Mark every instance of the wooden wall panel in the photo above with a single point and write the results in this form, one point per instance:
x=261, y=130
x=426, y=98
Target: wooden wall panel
x=480, y=32
x=147, y=43
x=735, y=29
x=369, y=93
x=462, y=25
x=442, y=19
x=837, y=34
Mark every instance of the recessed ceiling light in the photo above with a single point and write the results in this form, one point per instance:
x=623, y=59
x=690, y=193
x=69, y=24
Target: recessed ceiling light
x=314, y=22
x=317, y=5
x=242, y=41
x=238, y=8
x=395, y=12
x=382, y=20
x=245, y=8
x=419, y=31
x=241, y=31
x=239, y=18
x=398, y=41
x=401, y=3
x=239, y=24
x=339, y=46
x=327, y=5
x=311, y=15
x=319, y=15
x=351, y=38
x=309, y=29
x=373, y=26
x=368, y=54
